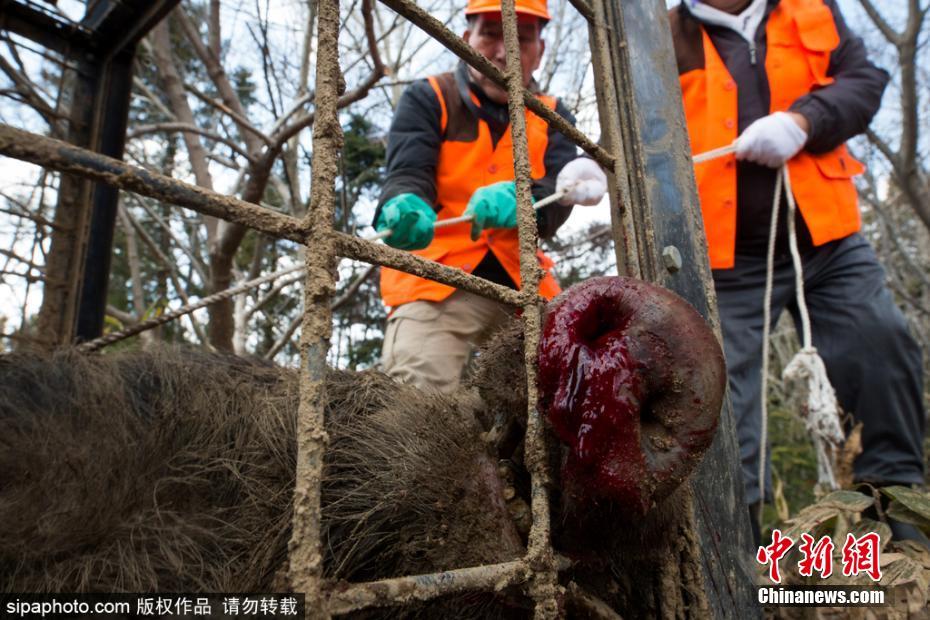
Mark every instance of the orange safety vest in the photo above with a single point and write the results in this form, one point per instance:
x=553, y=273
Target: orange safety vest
x=463, y=167
x=800, y=34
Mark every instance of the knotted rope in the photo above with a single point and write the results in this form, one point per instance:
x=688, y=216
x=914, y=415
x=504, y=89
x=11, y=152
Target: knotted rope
x=805, y=375
x=99, y=343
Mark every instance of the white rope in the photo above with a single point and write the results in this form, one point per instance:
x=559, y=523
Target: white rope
x=99, y=343
x=715, y=153
x=805, y=375
x=767, y=320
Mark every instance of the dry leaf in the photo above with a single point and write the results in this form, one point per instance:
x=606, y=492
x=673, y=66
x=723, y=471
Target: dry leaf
x=846, y=455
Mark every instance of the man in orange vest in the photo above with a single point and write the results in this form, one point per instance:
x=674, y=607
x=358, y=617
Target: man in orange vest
x=789, y=82
x=450, y=152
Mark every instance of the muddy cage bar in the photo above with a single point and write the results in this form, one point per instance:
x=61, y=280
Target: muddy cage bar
x=654, y=214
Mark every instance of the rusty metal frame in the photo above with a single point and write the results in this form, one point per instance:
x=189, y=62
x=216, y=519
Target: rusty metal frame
x=101, y=47
x=538, y=571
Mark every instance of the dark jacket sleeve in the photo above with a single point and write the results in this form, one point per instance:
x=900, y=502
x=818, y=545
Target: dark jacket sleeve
x=413, y=146
x=559, y=151
x=844, y=108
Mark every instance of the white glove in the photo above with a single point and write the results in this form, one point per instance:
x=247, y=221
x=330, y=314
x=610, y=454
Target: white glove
x=771, y=141
x=584, y=181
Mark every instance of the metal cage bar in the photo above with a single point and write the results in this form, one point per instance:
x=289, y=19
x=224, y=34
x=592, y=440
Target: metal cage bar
x=621, y=212
x=305, y=567
x=354, y=597
x=63, y=157
x=544, y=582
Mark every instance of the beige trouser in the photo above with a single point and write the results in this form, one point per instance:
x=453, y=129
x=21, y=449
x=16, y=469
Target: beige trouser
x=427, y=343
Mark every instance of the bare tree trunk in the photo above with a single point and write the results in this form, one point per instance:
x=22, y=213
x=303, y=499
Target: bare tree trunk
x=215, y=36
x=907, y=166
x=135, y=273
x=293, y=145
x=174, y=88
x=64, y=267
x=224, y=245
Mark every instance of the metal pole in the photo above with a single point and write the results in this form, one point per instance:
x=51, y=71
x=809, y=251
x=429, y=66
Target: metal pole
x=544, y=582
x=111, y=112
x=669, y=217
x=306, y=560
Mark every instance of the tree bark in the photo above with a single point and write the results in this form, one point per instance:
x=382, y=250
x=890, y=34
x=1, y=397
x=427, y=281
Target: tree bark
x=908, y=169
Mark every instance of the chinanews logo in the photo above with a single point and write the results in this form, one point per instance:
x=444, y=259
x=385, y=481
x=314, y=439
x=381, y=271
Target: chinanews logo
x=859, y=555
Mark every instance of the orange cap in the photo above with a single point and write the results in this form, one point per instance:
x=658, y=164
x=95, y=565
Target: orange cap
x=528, y=7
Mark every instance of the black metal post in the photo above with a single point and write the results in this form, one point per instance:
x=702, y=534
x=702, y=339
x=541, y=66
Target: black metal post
x=111, y=114
x=671, y=240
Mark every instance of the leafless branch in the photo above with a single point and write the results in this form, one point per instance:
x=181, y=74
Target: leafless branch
x=31, y=96
x=271, y=294
x=135, y=269
x=359, y=92
x=219, y=78
x=883, y=26
x=173, y=84
x=123, y=317
x=26, y=276
x=225, y=109
x=284, y=338
x=187, y=128
x=25, y=261
x=26, y=212
x=353, y=288
x=196, y=263
x=170, y=268
x=152, y=98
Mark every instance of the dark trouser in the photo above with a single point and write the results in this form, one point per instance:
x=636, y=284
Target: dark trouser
x=872, y=361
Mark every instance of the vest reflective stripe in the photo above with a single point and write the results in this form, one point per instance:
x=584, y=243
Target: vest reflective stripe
x=800, y=36
x=462, y=168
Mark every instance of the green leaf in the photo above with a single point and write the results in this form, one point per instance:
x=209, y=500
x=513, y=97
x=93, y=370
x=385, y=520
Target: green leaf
x=846, y=501
x=898, y=511
x=112, y=322
x=826, y=509
x=866, y=526
x=914, y=501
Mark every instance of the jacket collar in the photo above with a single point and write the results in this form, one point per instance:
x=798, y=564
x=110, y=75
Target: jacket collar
x=745, y=24
x=495, y=114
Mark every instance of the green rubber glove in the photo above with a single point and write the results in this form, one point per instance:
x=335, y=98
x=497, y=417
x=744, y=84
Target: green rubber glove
x=410, y=219
x=493, y=206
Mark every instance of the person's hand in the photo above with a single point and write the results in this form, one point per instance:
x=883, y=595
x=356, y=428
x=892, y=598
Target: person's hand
x=772, y=140
x=493, y=206
x=584, y=181
x=410, y=220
